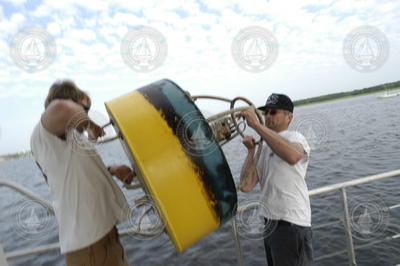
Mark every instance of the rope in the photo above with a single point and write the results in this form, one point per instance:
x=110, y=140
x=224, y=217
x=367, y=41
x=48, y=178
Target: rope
x=239, y=252
x=219, y=130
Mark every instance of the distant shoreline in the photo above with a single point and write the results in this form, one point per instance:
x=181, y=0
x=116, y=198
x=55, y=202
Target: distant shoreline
x=343, y=97
x=348, y=94
x=14, y=156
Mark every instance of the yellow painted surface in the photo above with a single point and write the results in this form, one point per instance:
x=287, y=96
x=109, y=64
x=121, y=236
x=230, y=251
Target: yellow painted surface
x=168, y=173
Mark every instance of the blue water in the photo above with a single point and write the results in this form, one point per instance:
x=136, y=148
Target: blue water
x=351, y=138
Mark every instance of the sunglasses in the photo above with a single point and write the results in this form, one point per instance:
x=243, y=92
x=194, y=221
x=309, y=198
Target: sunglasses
x=270, y=111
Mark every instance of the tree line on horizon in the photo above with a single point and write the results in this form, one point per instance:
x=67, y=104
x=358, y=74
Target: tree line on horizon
x=327, y=97
x=16, y=155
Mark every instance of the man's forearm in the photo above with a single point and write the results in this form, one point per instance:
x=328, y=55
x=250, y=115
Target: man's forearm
x=285, y=149
x=247, y=182
x=247, y=163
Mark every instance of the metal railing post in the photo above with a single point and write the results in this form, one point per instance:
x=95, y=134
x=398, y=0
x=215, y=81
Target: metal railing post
x=347, y=226
x=3, y=259
x=239, y=253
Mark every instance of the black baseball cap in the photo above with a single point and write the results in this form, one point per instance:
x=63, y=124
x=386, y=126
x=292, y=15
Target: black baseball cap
x=278, y=101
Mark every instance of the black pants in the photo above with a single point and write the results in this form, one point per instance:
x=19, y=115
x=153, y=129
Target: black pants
x=289, y=245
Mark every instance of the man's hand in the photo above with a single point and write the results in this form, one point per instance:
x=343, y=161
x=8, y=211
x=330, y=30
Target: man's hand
x=250, y=116
x=95, y=131
x=248, y=141
x=123, y=173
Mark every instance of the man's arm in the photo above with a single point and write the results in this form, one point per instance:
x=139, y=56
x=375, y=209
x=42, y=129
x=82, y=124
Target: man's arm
x=291, y=152
x=248, y=184
x=61, y=115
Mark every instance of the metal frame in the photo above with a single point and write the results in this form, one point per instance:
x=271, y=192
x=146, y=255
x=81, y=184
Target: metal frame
x=347, y=223
x=17, y=187
x=340, y=187
x=3, y=259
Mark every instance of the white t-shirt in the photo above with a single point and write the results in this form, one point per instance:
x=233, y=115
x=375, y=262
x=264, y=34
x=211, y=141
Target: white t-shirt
x=283, y=187
x=86, y=200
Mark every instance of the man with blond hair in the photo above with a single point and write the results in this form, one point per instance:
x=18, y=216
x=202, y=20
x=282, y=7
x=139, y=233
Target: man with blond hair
x=86, y=200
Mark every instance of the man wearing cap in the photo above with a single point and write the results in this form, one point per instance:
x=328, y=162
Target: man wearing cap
x=281, y=173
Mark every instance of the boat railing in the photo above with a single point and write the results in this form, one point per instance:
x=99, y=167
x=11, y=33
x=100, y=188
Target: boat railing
x=346, y=220
x=340, y=187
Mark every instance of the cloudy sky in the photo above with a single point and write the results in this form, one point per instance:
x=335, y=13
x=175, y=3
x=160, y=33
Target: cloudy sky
x=198, y=40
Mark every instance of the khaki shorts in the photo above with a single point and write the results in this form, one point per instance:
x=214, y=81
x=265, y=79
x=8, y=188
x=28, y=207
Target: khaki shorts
x=107, y=251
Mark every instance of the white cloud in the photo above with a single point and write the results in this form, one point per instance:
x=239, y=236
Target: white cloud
x=16, y=2
x=134, y=5
x=42, y=11
x=299, y=31
x=386, y=7
x=97, y=5
x=11, y=25
x=92, y=5
x=189, y=6
x=81, y=35
x=126, y=19
x=356, y=5
x=234, y=21
x=218, y=5
x=54, y=28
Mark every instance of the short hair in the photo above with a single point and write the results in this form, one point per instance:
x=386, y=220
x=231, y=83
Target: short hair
x=65, y=89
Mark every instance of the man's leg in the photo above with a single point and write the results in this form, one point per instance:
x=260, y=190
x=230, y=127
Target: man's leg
x=78, y=258
x=290, y=245
x=107, y=251
x=307, y=247
x=118, y=256
x=268, y=251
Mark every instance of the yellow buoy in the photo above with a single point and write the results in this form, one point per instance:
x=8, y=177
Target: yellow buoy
x=181, y=165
